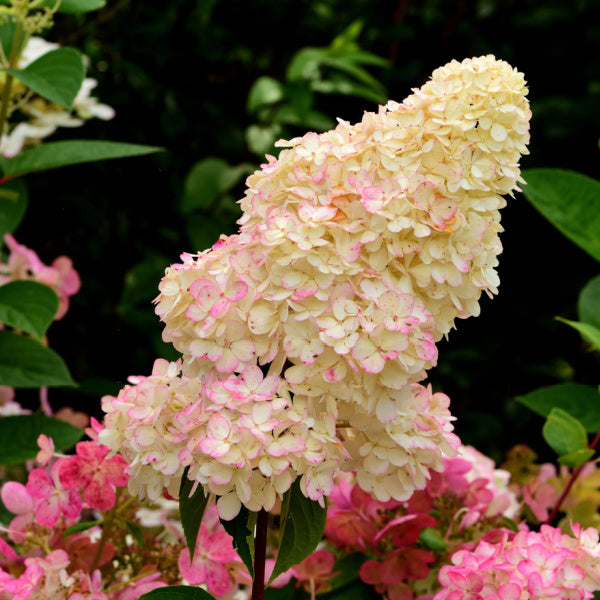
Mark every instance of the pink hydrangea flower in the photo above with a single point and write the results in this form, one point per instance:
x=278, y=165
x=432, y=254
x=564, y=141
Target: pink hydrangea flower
x=18, y=501
x=93, y=472
x=54, y=500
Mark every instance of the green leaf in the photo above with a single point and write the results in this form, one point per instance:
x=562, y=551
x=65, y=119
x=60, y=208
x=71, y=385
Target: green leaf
x=70, y=152
x=347, y=568
x=570, y=201
x=140, y=282
x=305, y=64
x=28, y=305
x=579, y=400
x=136, y=532
x=564, y=433
x=191, y=510
x=7, y=35
x=264, y=91
x=576, y=459
x=13, y=204
x=177, y=592
x=209, y=179
x=79, y=527
x=261, y=138
x=588, y=304
x=19, y=434
x=74, y=7
x=588, y=332
x=302, y=527
x=26, y=363
x=432, y=539
x=241, y=529
x=56, y=76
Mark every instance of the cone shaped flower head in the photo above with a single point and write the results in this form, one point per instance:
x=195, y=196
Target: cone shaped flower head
x=357, y=250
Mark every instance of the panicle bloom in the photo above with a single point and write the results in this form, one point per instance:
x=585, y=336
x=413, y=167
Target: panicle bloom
x=357, y=250
x=531, y=565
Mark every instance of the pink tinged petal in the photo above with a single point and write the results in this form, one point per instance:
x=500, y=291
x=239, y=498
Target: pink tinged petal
x=205, y=349
x=509, y=591
x=7, y=551
x=194, y=573
x=47, y=512
x=220, y=547
x=214, y=447
x=71, y=504
x=39, y=484
x=237, y=291
x=218, y=580
x=244, y=350
x=219, y=307
x=219, y=426
x=195, y=312
x=16, y=498
x=99, y=495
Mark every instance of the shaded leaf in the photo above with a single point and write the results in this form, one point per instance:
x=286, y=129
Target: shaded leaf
x=241, y=529
x=564, y=433
x=56, y=76
x=265, y=90
x=28, y=305
x=69, y=6
x=191, y=510
x=70, y=152
x=19, y=434
x=26, y=363
x=13, y=204
x=570, y=201
x=177, y=592
x=588, y=303
x=579, y=400
x=432, y=539
x=588, y=332
x=302, y=527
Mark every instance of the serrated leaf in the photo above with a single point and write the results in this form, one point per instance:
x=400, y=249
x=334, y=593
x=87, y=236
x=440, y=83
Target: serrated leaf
x=570, y=201
x=191, y=510
x=177, y=592
x=28, y=305
x=79, y=527
x=576, y=459
x=13, y=204
x=302, y=527
x=564, y=433
x=52, y=155
x=26, y=363
x=19, y=434
x=579, y=400
x=56, y=76
x=588, y=303
x=241, y=529
x=588, y=332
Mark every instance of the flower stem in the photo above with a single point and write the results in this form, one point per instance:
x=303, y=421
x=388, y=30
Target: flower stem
x=106, y=525
x=569, y=485
x=260, y=553
x=12, y=62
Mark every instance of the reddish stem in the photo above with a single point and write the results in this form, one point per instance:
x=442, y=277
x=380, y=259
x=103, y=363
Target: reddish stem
x=260, y=554
x=570, y=484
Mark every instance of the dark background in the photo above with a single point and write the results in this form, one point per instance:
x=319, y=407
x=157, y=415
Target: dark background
x=178, y=75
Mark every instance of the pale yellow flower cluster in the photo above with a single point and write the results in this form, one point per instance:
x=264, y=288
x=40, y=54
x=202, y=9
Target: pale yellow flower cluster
x=358, y=249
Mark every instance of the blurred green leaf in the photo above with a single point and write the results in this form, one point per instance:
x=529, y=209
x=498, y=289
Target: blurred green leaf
x=432, y=539
x=56, y=76
x=191, y=509
x=305, y=64
x=177, y=592
x=302, y=527
x=564, y=433
x=7, y=34
x=570, y=201
x=261, y=138
x=241, y=529
x=576, y=459
x=141, y=283
x=207, y=180
x=588, y=304
x=28, y=305
x=265, y=90
x=79, y=527
x=51, y=155
x=19, y=434
x=69, y=6
x=588, y=332
x=26, y=363
x=580, y=400
x=347, y=568
x=13, y=204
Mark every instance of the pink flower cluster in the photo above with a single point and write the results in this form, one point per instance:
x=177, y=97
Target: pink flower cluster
x=530, y=565
x=23, y=263
x=357, y=250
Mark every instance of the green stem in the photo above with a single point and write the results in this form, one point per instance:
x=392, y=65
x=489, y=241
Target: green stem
x=260, y=554
x=14, y=56
x=106, y=525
